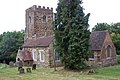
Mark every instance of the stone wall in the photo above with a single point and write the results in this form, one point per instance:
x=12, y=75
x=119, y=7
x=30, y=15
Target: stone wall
x=112, y=59
x=48, y=56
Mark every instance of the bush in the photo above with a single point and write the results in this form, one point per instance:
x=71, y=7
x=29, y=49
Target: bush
x=118, y=59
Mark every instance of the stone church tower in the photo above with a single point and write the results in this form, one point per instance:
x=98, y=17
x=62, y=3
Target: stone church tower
x=38, y=22
x=38, y=43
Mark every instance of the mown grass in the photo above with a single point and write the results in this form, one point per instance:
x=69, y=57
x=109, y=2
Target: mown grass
x=107, y=73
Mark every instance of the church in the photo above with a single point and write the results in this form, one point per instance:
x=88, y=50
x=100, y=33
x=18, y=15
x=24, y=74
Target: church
x=38, y=41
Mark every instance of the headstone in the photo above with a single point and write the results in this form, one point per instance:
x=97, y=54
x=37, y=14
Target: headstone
x=21, y=70
x=33, y=66
x=20, y=65
x=4, y=65
x=11, y=64
x=28, y=70
x=91, y=71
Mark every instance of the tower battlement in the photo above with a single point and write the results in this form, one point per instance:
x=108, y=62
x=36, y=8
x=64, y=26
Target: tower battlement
x=36, y=7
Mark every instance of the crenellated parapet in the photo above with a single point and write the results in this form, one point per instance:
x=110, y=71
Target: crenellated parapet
x=35, y=7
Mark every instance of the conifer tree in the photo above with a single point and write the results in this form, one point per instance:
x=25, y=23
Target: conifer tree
x=71, y=34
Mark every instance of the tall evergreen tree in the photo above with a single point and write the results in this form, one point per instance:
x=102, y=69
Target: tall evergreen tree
x=71, y=34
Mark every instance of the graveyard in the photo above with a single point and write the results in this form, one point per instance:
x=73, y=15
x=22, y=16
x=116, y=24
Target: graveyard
x=60, y=46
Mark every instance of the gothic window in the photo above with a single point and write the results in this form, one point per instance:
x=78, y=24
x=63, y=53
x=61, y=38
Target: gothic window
x=44, y=18
x=29, y=19
x=108, y=51
x=41, y=56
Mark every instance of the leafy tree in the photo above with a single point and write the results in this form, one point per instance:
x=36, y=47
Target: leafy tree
x=115, y=28
x=9, y=44
x=71, y=34
x=116, y=41
x=101, y=27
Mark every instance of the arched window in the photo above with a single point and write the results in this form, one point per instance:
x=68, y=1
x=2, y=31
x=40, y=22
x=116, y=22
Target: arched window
x=29, y=19
x=108, y=51
x=34, y=52
x=44, y=18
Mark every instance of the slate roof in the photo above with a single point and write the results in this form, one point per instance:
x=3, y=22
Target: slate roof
x=27, y=55
x=97, y=39
x=38, y=42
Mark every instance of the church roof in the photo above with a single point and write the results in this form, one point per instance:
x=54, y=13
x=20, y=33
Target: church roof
x=38, y=42
x=27, y=55
x=97, y=39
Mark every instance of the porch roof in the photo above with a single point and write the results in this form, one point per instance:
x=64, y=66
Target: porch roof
x=27, y=55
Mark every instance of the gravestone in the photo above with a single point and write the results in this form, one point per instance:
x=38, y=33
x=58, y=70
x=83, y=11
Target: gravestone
x=20, y=64
x=28, y=70
x=33, y=66
x=21, y=70
x=4, y=65
x=11, y=64
x=91, y=71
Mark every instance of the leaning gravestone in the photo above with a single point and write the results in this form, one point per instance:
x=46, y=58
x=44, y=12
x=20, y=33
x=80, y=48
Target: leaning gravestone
x=11, y=64
x=21, y=70
x=33, y=66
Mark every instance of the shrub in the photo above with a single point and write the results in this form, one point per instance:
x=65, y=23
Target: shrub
x=118, y=59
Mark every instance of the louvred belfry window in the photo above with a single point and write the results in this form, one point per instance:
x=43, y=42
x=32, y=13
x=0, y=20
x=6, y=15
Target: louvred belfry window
x=44, y=18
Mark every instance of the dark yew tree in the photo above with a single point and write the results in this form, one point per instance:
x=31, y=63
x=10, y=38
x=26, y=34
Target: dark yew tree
x=71, y=34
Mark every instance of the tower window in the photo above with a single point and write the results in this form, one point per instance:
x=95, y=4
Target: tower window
x=29, y=19
x=44, y=18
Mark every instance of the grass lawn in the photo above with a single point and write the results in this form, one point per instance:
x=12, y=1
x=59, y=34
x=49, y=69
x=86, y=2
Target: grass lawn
x=107, y=73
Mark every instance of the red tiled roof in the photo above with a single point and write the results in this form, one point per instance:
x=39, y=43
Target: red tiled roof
x=38, y=42
x=96, y=39
x=27, y=55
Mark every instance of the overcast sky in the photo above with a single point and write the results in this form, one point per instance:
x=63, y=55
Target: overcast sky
x=12, y=12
